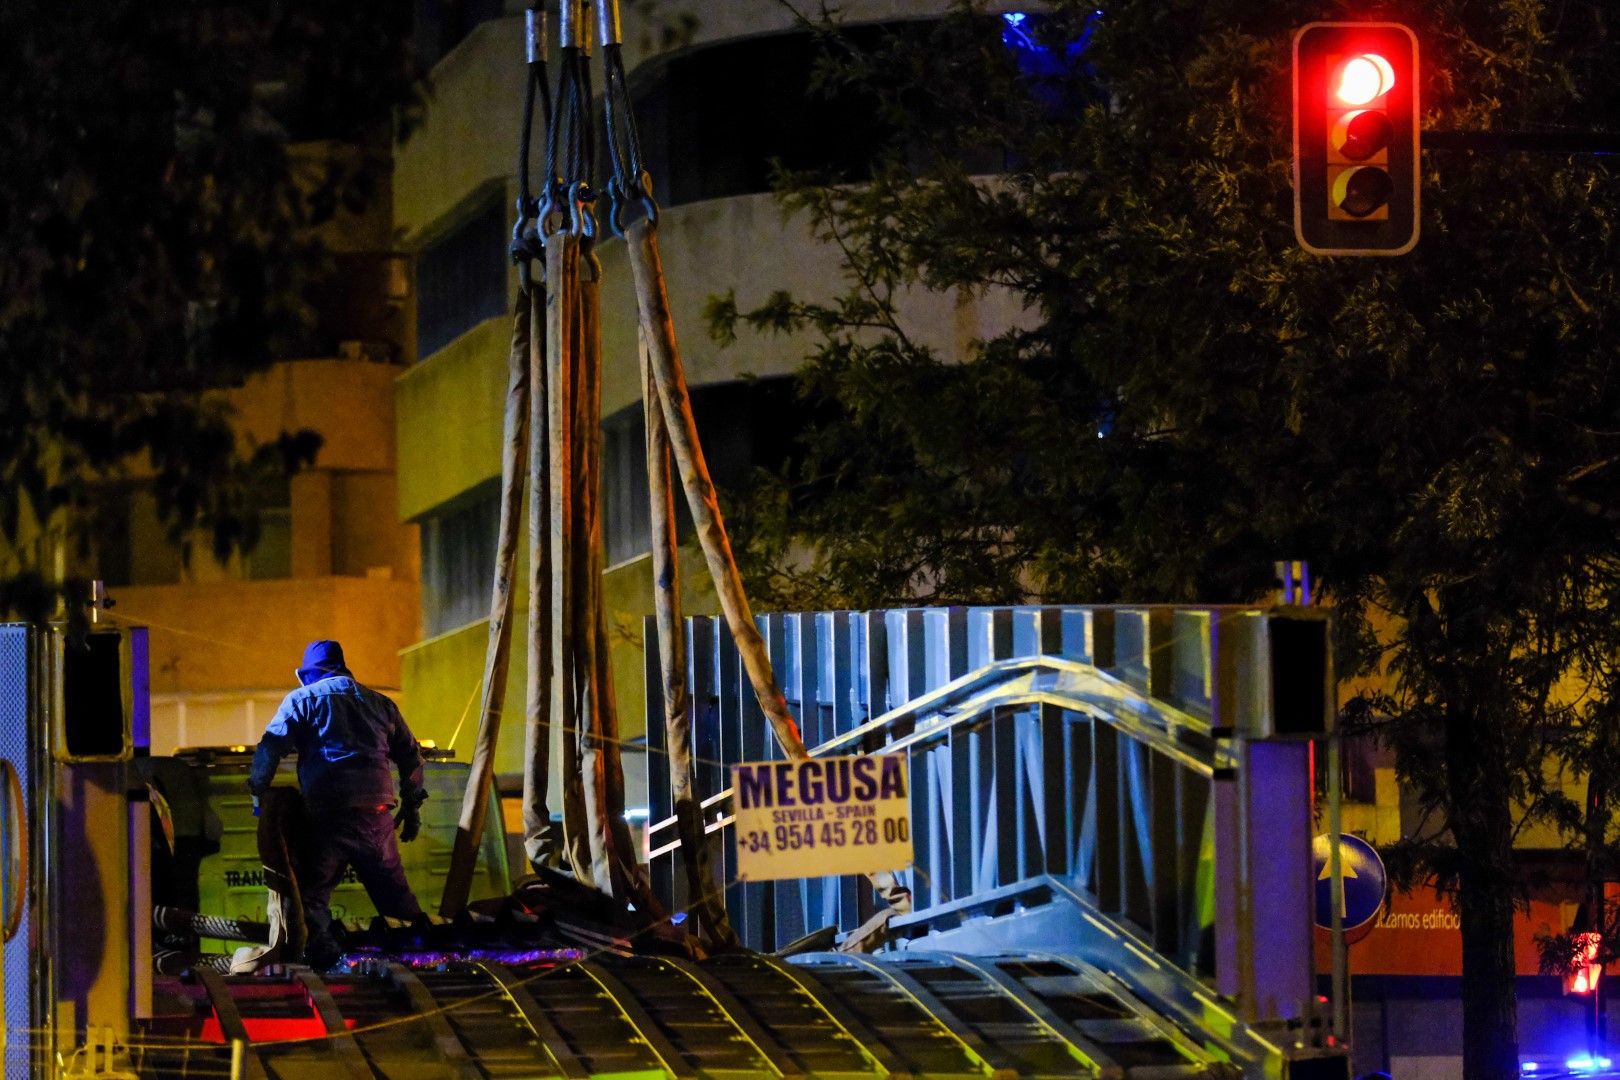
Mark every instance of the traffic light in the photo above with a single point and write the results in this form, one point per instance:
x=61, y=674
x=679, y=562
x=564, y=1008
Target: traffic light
x=1356, y=138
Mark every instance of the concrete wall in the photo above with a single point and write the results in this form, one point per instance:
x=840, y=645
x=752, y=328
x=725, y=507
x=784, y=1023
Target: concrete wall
x=450, y=405
x=350, y=402
x=470, y=134
x=746, y=245
x=249, y=635
x=450, y=415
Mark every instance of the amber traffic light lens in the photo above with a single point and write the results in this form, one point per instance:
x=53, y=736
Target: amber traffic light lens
x=1359, y=135
x=1364, y=78
x=1361, y=191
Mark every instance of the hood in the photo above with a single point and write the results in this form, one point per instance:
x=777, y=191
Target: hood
x=322, y=660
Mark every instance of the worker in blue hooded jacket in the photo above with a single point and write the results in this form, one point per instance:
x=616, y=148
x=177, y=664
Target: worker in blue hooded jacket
x=345, y=735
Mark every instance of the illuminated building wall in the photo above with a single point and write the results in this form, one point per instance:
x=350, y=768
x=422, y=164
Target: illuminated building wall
x=714, y=110
x=333, y=560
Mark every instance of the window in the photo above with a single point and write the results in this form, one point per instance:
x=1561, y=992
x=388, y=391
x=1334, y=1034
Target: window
x=704, y=140
x=626, y=516
x=271, y=557
x=458, y=559
x=461, y=279
x=744, y=426
x=128, y=542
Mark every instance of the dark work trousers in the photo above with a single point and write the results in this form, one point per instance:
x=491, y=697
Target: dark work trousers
x=361, y=837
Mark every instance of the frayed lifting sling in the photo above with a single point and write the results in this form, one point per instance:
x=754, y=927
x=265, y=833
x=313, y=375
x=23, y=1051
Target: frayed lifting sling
x=552, y=445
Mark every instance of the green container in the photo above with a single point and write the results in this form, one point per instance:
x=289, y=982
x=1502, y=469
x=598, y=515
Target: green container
x=231, y=881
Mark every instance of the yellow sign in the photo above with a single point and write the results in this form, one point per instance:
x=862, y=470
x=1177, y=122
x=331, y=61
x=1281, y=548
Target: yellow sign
x=836, y=815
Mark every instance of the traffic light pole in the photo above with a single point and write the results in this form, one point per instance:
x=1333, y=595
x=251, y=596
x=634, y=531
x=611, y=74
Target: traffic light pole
x=1534, y=142
x=1341, y=951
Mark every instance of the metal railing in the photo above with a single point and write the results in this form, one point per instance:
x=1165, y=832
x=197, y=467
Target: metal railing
x=1028, y=758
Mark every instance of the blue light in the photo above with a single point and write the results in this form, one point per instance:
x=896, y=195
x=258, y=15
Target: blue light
x=1015, y=35
x=678, y=918
x=1035, y=58
x=1528, y=1066
x=1584, y=1063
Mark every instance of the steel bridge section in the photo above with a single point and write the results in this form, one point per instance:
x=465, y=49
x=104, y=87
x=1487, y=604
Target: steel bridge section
x=826, y=1016
x=1104, y=782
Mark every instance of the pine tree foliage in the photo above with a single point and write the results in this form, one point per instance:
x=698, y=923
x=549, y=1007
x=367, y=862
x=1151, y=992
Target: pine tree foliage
x=1190, y=396
x=155, y=236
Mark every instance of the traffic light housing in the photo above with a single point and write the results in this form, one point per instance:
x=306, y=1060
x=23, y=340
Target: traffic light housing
x=1356, y=133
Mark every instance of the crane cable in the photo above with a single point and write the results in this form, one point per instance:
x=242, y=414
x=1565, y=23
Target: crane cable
x=527, y=242
x=670, y=419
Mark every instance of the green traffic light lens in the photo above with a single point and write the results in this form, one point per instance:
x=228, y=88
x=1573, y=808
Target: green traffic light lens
x=1361, y=191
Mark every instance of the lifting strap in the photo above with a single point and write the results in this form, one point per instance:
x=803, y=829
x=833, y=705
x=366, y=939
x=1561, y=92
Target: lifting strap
x=527, y=342
x=630, y=181
x=539, y=846
x=553, y=446
x=596, y=839
x=666, y=385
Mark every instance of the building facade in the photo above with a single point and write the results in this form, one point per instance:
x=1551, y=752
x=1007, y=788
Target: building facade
x=720, y=91
x=332, y=559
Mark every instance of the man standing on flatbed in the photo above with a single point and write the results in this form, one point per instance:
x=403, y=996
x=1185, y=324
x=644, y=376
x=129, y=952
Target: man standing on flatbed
x=345, y=735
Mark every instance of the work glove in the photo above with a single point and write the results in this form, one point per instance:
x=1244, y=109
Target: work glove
x=408, y=820
x=255, y=806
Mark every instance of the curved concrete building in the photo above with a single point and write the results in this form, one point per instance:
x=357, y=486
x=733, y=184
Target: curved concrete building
x=721, y=92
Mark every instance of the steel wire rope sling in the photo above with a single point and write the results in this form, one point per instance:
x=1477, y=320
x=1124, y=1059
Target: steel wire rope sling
x=596, y=837
x=672, y=431
x=629, y=182
x=527, y=352
x=569, y=678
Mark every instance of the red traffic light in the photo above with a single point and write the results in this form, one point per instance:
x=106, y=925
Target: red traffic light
x=1363, y=78
x=1355, y=138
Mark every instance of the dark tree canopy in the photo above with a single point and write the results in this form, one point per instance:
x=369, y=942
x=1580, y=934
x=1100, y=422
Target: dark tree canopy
x=1192, y=396
x=156, y=231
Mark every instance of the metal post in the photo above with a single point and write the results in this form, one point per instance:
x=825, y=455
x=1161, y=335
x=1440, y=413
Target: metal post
x=1341, y=958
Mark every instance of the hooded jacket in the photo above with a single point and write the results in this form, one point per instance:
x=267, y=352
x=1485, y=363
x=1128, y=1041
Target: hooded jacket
x=345, y=735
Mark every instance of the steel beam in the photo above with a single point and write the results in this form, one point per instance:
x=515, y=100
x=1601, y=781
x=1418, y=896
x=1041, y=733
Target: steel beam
x=635, y=1014
x=430, y=1012
x=556, y=1047
x=774, y=1053
x=344, y=1045
x=230, y=1022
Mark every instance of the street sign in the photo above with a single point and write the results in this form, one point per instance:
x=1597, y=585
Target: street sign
x=826, y=816
x=1365, y=881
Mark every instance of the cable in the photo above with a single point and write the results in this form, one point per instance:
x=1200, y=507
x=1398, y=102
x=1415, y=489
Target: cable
x=528, y=234
x=629, y=180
